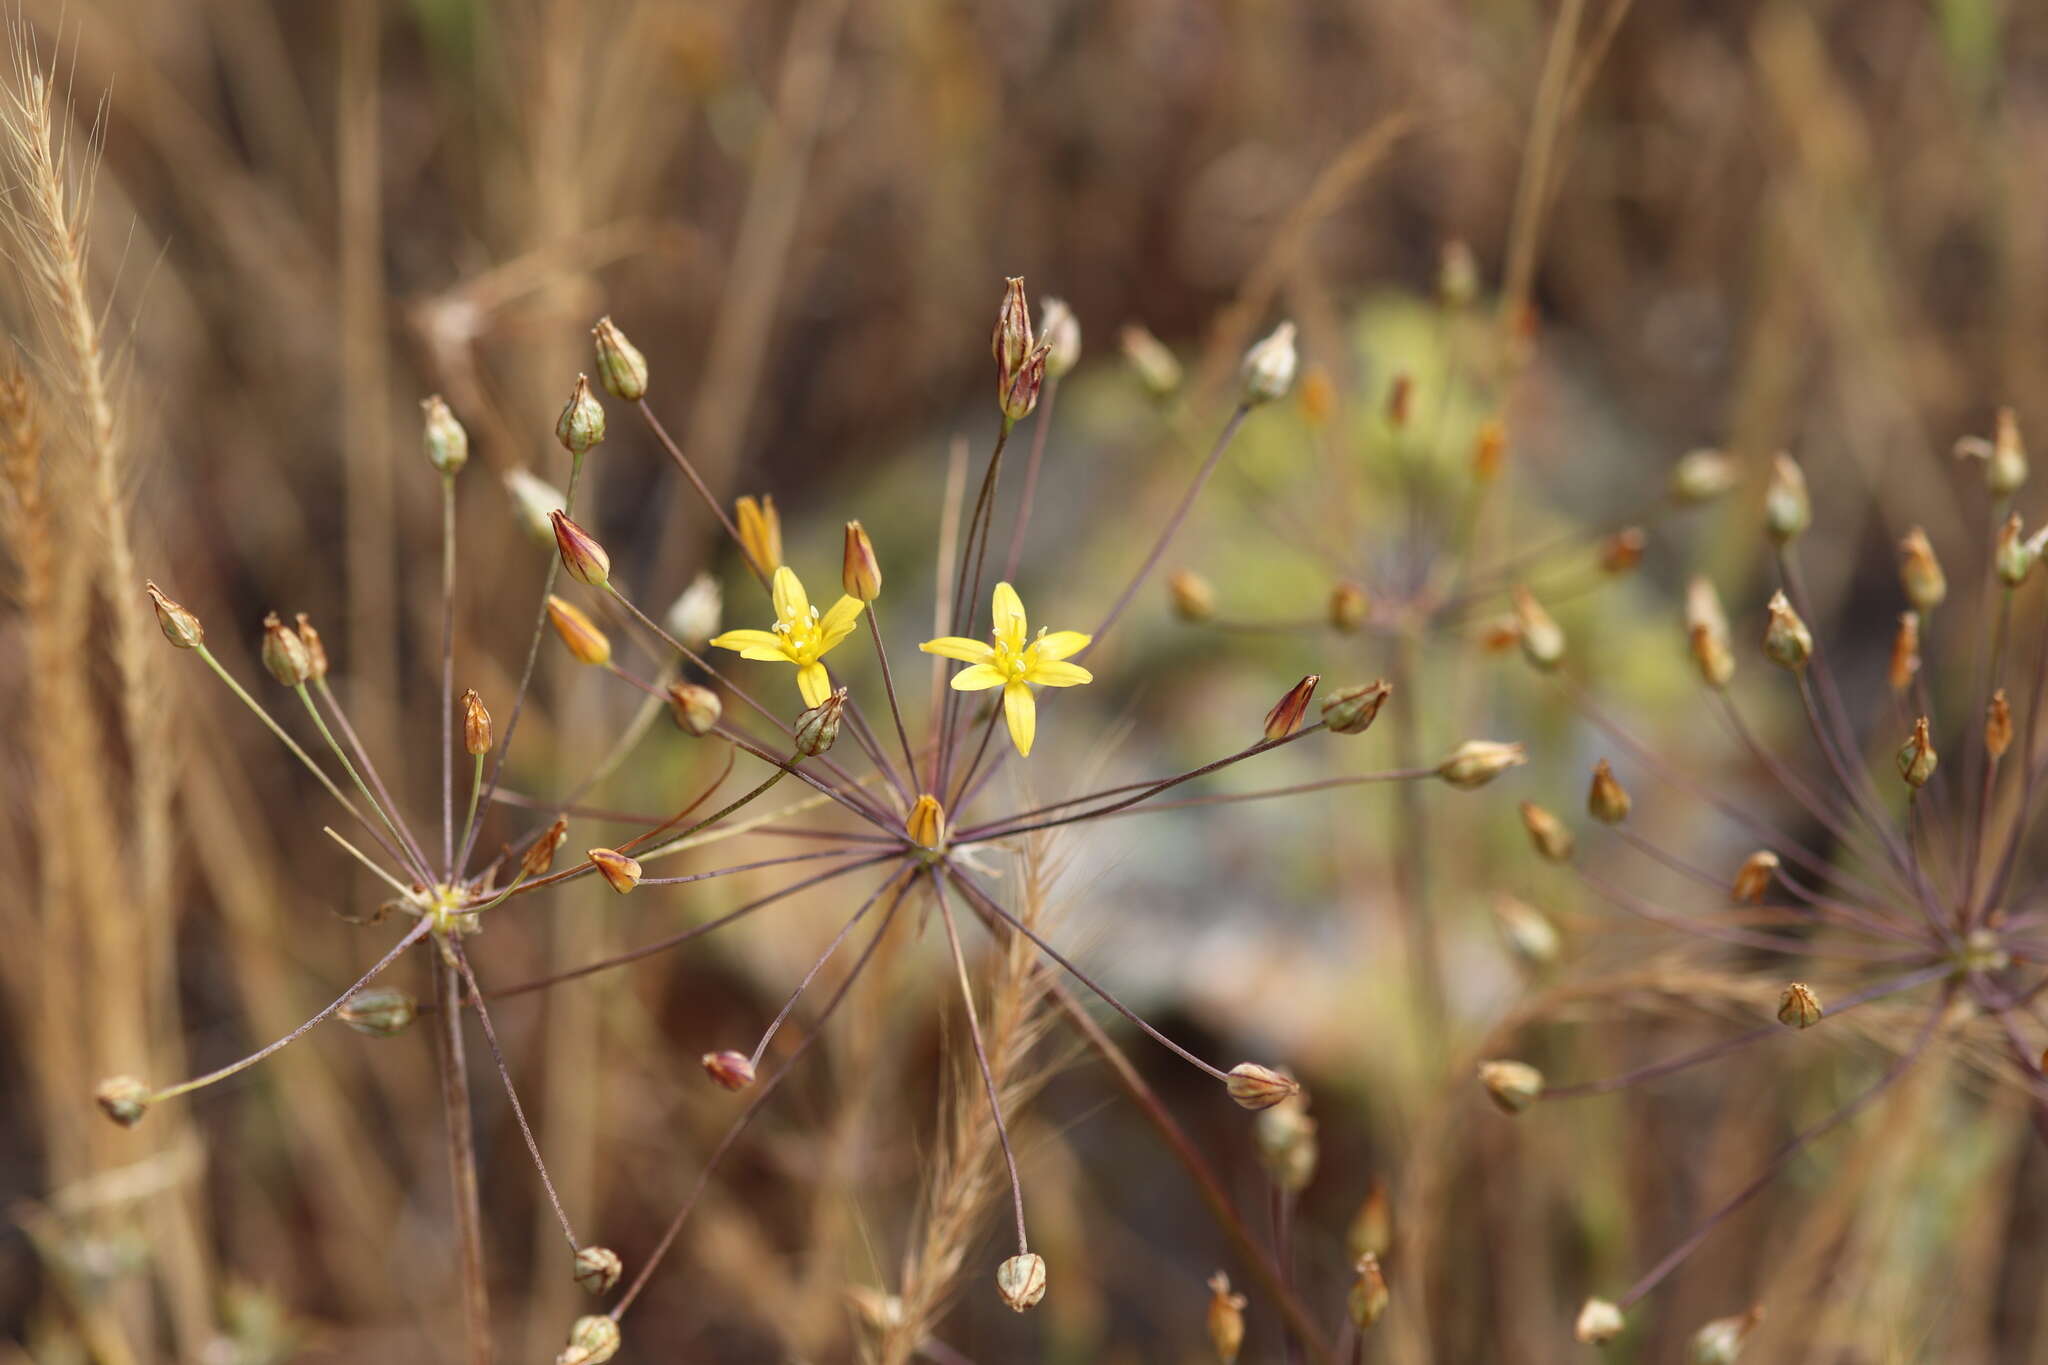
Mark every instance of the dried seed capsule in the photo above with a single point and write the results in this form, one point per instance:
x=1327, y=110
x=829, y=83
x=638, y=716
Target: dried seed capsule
x=1917, y=757
x=1753, y=878
x=1021, y=1281
x=592, y=1341
x=696, y=709
x=579, y=634
x=1720, y=1341
x=380, y=1011
x=1512, y=1086
x=598, y=1269
x=123, y=1099
x=540, y=854
x=1606, y=799
x=1998, y=725
x=1477, y=762
x=1905, y=652
x=1353, y=710
x=316, y=648
x=1599, y=1322
x=1258, y=1087
x=817, y=729
x=2015, y=554
x=476, y=725
x=694, y=617
x=1012, y=342
x=583, y=559
x=926, y=823
x=1349, y=606
x=619, y=871
x=1542, y=638
x=1530, y=934
x=1799, y=1007
x=442, y=437
x=1285, y=717
x=284, y=653
x=1156, y=367
x=760, y=528
x=1269, y=366
x=1226, y=1319
x=733, y=1070
x=1787, y=509
x=1061, y=332
x=1702, y=476
x=1787, y=641
x=1920, y=572
x=179, y=626
x=2008, y=468
x=581, y=425
x=1552, y=837
x=1368, y=1297
x=1018, y=394
x=860, y=572
x=620, y=366
x=1192, y=597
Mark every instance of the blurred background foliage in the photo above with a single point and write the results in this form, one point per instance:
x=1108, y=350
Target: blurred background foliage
x=1814, y=224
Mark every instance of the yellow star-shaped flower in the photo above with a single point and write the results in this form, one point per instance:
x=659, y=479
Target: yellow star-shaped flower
x=800, y=635
x=1015, y=663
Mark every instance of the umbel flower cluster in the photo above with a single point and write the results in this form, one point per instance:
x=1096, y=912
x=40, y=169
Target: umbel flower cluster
x=893, y=815
x=1919, y=886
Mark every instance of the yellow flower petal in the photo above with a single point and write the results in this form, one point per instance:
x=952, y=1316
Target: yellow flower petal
x=1060, y=644
x=1009, y=616
x=961, y=648
x=1057, y=674
x=835, y=625
x=788, y=591
x=978, y=678
x=815, y=683
x=1020, y=709
x=752, y=644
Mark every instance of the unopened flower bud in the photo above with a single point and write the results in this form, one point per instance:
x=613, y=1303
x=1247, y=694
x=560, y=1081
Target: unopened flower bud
x=123, y=1099
x=1512, y=1086
x=926, y=823
x=1529, y=933
x=696, y=708
x=1542, y=637
x=1349, y=606
x=1368, y=1297
x=1552, y=837
x=1457, y=274
x=619, y=871
x=598, y=1269
x=316, y=648
x=284, y=653
x=1920, y=572
x=1021, y=1281
x=535, y=501
x=540, y=854
x=1998, y=725
x=1799, y=1007
x=1018, y=395
x=476, y=725
x=583, y=559
x=1787, y=641
x=860, y=573
x=1285, y=717
x=1753, y=878
x=592, y=1341
x=1720, y=1341
x=1622, y=552
x=1905, y=652
x=1353, y=710
x=380, y=1011
x=1477, y=762
x=1269, y=366
x=1156, y=367
x=733, y=1070
x=179, y=626
x=817, y=729
x=1060, y=330
x=581, y=425
x=1599, y=1323
x=760, y=528
x=442, y=437
x=1226, y=1319
x=1606, y=799
x=1400, y=400
x=1702, y=476
x=1489, y=450
x=694, y=616
x=1917, y=757
x=620, y=366
x=1286, y=1138
x=1013, y=340
x=1192, y=597
x=579, y=634
x=1787, y=508
x=1706, y=628
x=1258, y=1087
x=2015, y=554
x=1371, y=1231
